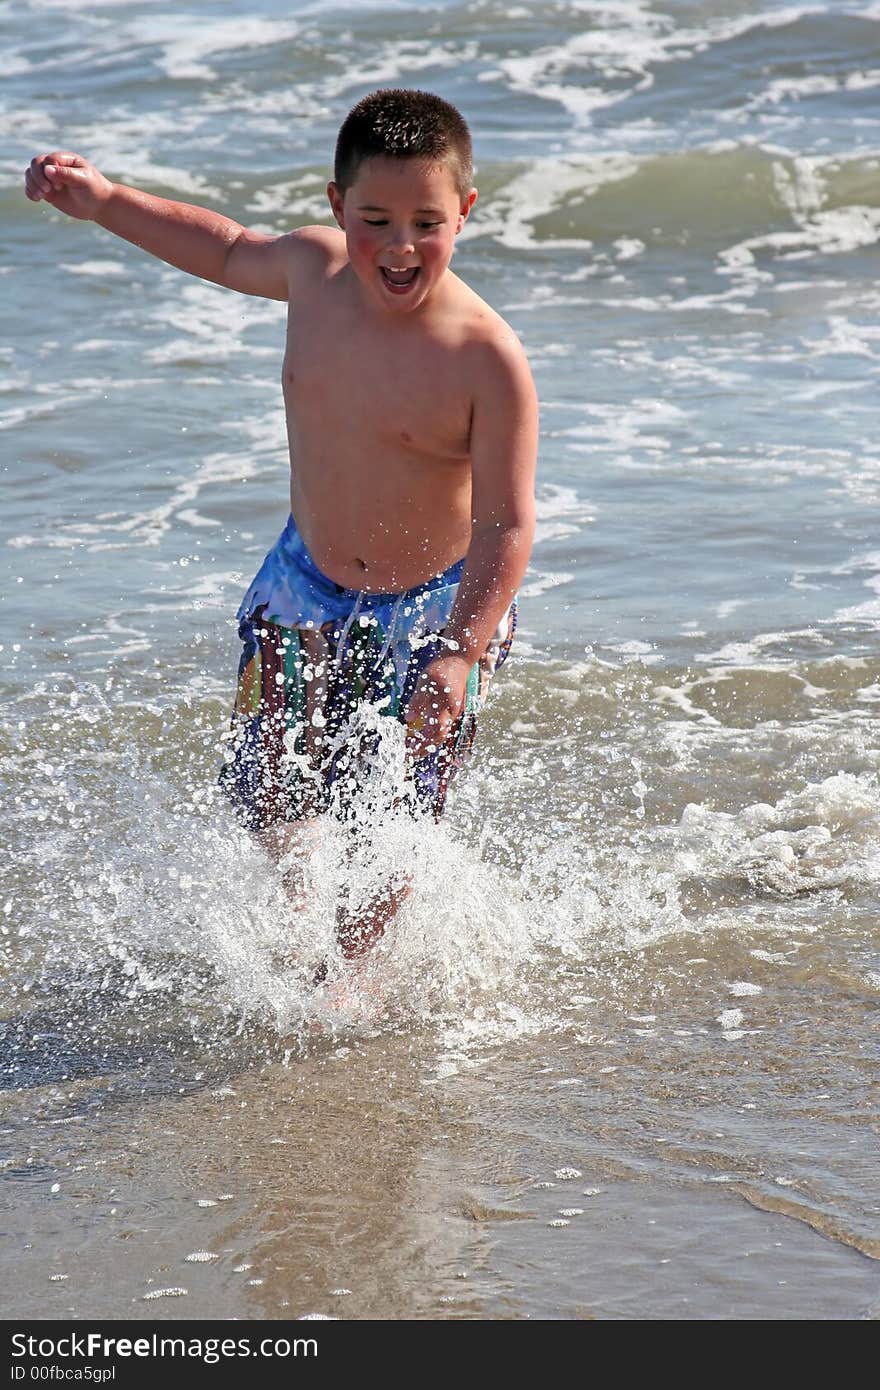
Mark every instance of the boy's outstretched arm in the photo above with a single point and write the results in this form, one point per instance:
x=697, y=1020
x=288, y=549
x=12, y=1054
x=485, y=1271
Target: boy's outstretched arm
x=194, y=239
x=504, y=444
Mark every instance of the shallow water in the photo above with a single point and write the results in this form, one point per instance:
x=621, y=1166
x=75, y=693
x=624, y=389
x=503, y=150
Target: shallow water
x=635, y=990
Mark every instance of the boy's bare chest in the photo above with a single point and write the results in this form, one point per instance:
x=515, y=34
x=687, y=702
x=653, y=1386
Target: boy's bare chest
x=407, y=394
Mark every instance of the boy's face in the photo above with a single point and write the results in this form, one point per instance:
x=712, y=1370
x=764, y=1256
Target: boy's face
x=400, y=218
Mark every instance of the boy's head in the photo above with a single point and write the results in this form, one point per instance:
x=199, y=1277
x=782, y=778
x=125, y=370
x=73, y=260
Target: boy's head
x=401, y=193
x=402, y=124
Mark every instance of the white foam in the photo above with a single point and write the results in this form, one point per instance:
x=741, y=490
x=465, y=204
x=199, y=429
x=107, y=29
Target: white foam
x=96, y=345
x=821, y=837
x=619, y=50
x=729, y=606
x=730, y=1018
x=828, y=233
x=867, y=612
x=186, y=41
x=679, y=696
x=99, y=269
x=560, y=512
x=753, y=652
x=120, y=155
x=782, y=89
x=540, y=581
x=290, y=199
x=635, y=426
x=539, y=189
x=628, y=247
x=635, y=650
x=148, y=527
x=194, y=518
x=841, y=336
x=862, y=81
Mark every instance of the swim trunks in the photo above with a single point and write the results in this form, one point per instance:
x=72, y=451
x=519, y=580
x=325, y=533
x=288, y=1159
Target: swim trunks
x=319, y=663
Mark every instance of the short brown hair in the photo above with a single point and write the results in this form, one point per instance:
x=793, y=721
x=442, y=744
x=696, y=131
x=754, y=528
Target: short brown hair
x=399, y=123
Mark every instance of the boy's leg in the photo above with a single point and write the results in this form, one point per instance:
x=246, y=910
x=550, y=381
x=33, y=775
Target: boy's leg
x=364, y=789
x=291, y=843
x=357, y=930
x=290, y=847
x=273, y=774
x=279, y=773
x=429, y=778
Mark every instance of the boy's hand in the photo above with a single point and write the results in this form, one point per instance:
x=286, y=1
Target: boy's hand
x=436, y=703
x=67, y=182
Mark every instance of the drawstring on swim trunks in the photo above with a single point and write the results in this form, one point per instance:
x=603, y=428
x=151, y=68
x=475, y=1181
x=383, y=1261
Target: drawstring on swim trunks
x=346, y=629
x=391, y=626
x=349, y=623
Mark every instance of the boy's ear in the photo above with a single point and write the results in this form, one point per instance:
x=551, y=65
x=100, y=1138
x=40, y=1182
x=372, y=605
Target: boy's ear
x=336, y=204
x=466, y=206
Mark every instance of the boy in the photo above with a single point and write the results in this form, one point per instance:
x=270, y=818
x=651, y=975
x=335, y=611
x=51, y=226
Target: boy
x=412, y=422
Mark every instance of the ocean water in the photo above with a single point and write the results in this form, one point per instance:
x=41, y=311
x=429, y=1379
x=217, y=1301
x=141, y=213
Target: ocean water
x=617, y=1057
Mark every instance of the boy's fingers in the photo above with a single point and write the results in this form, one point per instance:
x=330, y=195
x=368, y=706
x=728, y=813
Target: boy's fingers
x=62, y=173
x=64, y=157
x=418, y=736
x=61, y=167
x=37, y=179
x=425, y=735
x=37, y=190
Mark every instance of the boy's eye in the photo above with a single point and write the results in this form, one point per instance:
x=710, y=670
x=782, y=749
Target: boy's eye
x=383, y=222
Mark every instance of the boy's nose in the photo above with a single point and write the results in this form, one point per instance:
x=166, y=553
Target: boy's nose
x=402, y=243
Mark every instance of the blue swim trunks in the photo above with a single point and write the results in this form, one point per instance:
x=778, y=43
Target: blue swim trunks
x=315, y=658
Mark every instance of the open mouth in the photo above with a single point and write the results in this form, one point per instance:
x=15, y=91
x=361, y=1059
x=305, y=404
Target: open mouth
x=399, y=279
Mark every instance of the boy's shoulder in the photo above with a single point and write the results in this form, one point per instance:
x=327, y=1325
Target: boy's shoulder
x=490, y=347
x=311, y=247
x=476, y=325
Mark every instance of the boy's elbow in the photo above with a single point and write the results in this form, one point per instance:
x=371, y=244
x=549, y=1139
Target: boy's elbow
x=252, y=265
x=232, y=242
x=511, y=533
